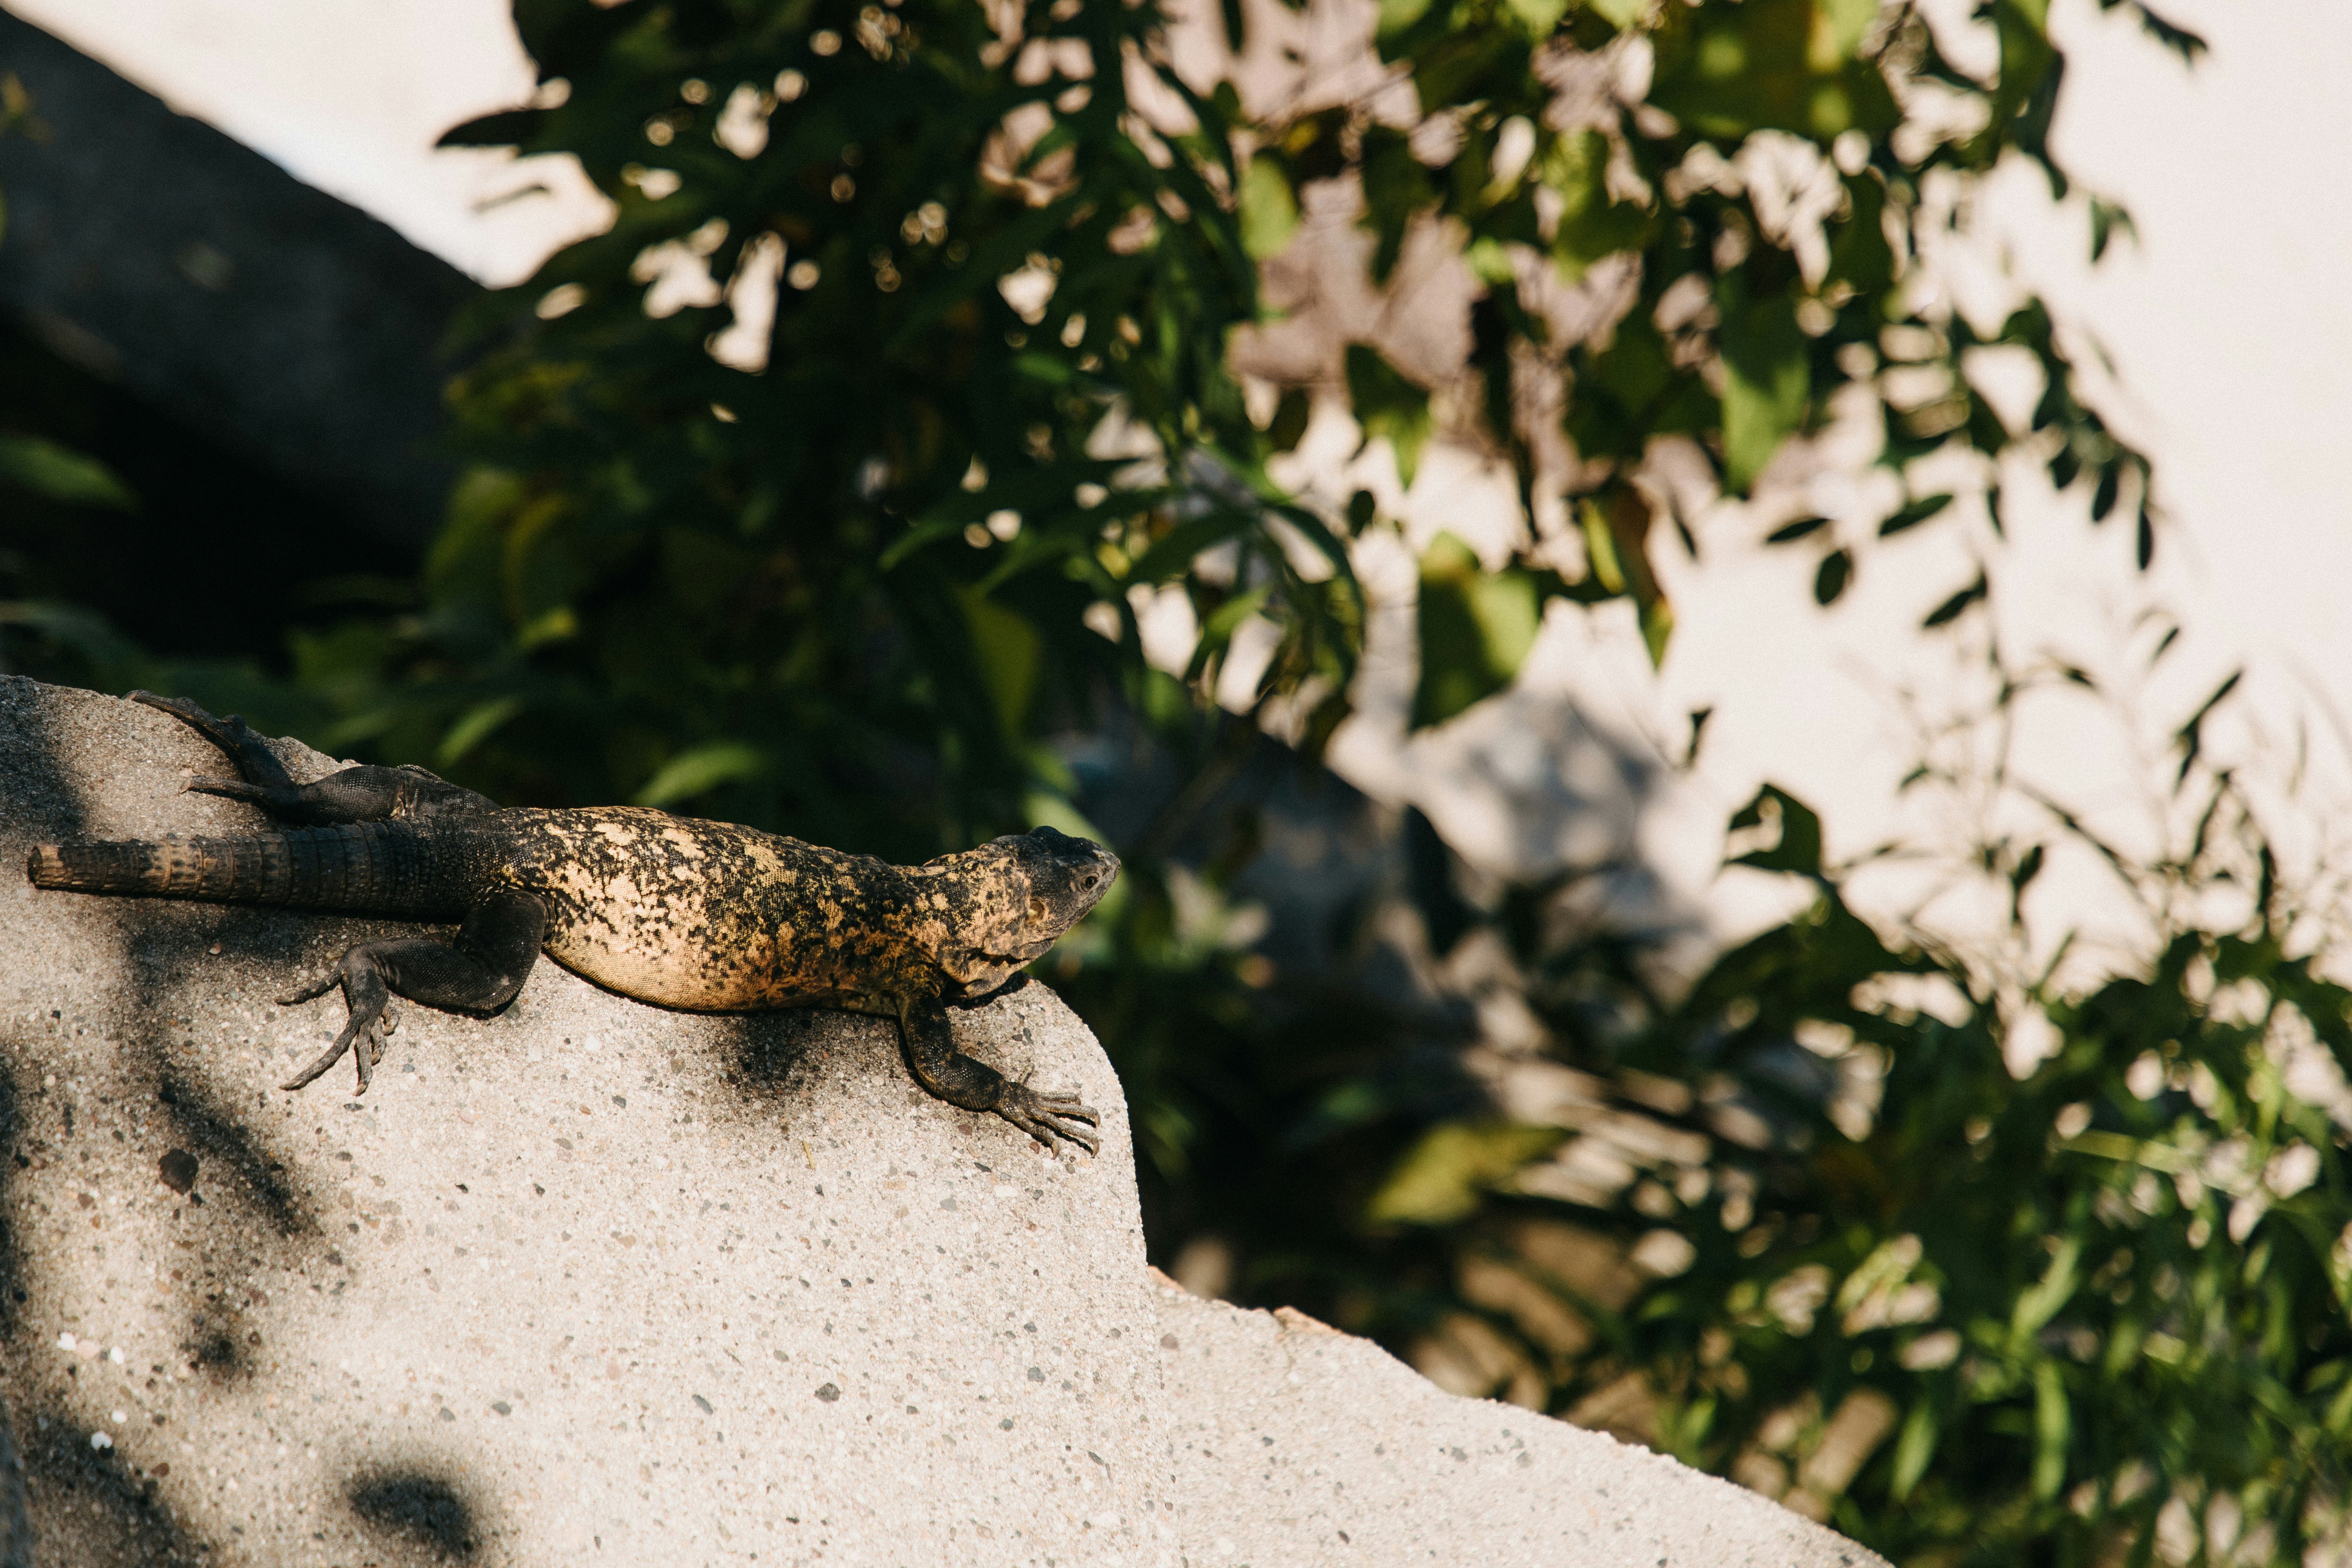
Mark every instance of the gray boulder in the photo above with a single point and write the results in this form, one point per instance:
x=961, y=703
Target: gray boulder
x=593, y=1280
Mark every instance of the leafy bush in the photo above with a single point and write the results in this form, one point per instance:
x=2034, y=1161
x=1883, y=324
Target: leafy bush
x=905, y=362
x=1900, y=1231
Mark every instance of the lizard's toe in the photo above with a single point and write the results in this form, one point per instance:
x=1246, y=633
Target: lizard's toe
x=302, y=993
x=326, y=1059
x=231, y=789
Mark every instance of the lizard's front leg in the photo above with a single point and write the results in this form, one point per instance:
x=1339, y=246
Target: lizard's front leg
x=963, y=1080
x=479, y=969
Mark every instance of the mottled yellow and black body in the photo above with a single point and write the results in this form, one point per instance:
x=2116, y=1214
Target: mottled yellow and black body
x=708, y=915
x=672, y=910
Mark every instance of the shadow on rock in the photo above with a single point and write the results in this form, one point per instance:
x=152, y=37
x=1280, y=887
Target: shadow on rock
x=16, y=1528
x=90, y=1508
x=13, y=1291
x=771, y=1054
x=419, y=1510
x=221, y=1141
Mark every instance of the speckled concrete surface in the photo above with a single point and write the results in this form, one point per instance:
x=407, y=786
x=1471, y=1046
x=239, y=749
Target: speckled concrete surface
x=593, y=1281
x=1298, y=1445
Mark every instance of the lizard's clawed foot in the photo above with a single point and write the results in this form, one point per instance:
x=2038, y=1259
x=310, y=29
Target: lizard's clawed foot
x=229, y=734
x=265, y=779
x=372, y=1018
x=1048, y=1116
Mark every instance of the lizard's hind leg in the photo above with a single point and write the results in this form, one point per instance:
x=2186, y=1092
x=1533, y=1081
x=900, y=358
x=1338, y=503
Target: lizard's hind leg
x=353, y=795
x=477, y=971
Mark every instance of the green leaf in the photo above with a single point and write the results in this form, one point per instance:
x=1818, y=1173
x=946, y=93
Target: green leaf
x=1388, y=405
x=504, y=128
x=1291, y=416
x=1951, y=608
x=1008, y=647
x=1269, y=212
x=1173, y=556
x=1767, y=379
x=1913, y=515
x=1790, y=533
x=2110, y=486
x=1539, y=16
x=1592, y=223
x=1475, y=628
x=2052, y=1421
x=1914, y=1447
x=704, y=768
x=1859, y=256
x=1836, y=574
x=1439, y=1179
x=83, y=630
x=2108, y=221
x=1600, y=547
x=1397, y=189
x=476, y=726
x=1657, y=629
x=1798, y=848
x=1839, y=27
x=1783, y=65
x=2039, y=1303
x=1398, y=16
x=39, y=465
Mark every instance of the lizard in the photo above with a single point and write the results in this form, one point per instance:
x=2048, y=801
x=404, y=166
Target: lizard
x=678, y=911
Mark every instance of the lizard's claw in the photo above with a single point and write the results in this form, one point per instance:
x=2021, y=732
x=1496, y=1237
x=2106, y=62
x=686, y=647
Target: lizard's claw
x=1050, y=1115
x=231, y=789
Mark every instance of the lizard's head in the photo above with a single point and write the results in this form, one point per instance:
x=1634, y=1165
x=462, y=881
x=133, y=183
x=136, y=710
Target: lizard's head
x=1068, y=877
x=1000, y=907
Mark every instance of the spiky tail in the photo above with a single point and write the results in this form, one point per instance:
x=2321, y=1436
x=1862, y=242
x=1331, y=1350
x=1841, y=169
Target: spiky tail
x=373, y=867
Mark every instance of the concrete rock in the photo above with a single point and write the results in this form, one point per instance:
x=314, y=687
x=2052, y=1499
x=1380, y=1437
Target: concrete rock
x=594, y=1279
x=1297, y=1444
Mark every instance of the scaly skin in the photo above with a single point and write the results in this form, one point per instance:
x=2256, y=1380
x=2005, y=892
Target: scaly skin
x=672, y=910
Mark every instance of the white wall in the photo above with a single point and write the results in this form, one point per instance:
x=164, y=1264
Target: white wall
x=350, y=95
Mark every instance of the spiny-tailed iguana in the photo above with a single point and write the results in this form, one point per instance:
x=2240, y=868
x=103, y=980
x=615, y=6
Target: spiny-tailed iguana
x=669, y=910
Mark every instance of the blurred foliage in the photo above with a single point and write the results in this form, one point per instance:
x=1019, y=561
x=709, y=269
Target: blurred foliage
x=905, y=355
x=2079, y=1315
x=2066, y=1303
x=36, y=464
x=57, y=638
x=846, y=593
x=122, y=531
